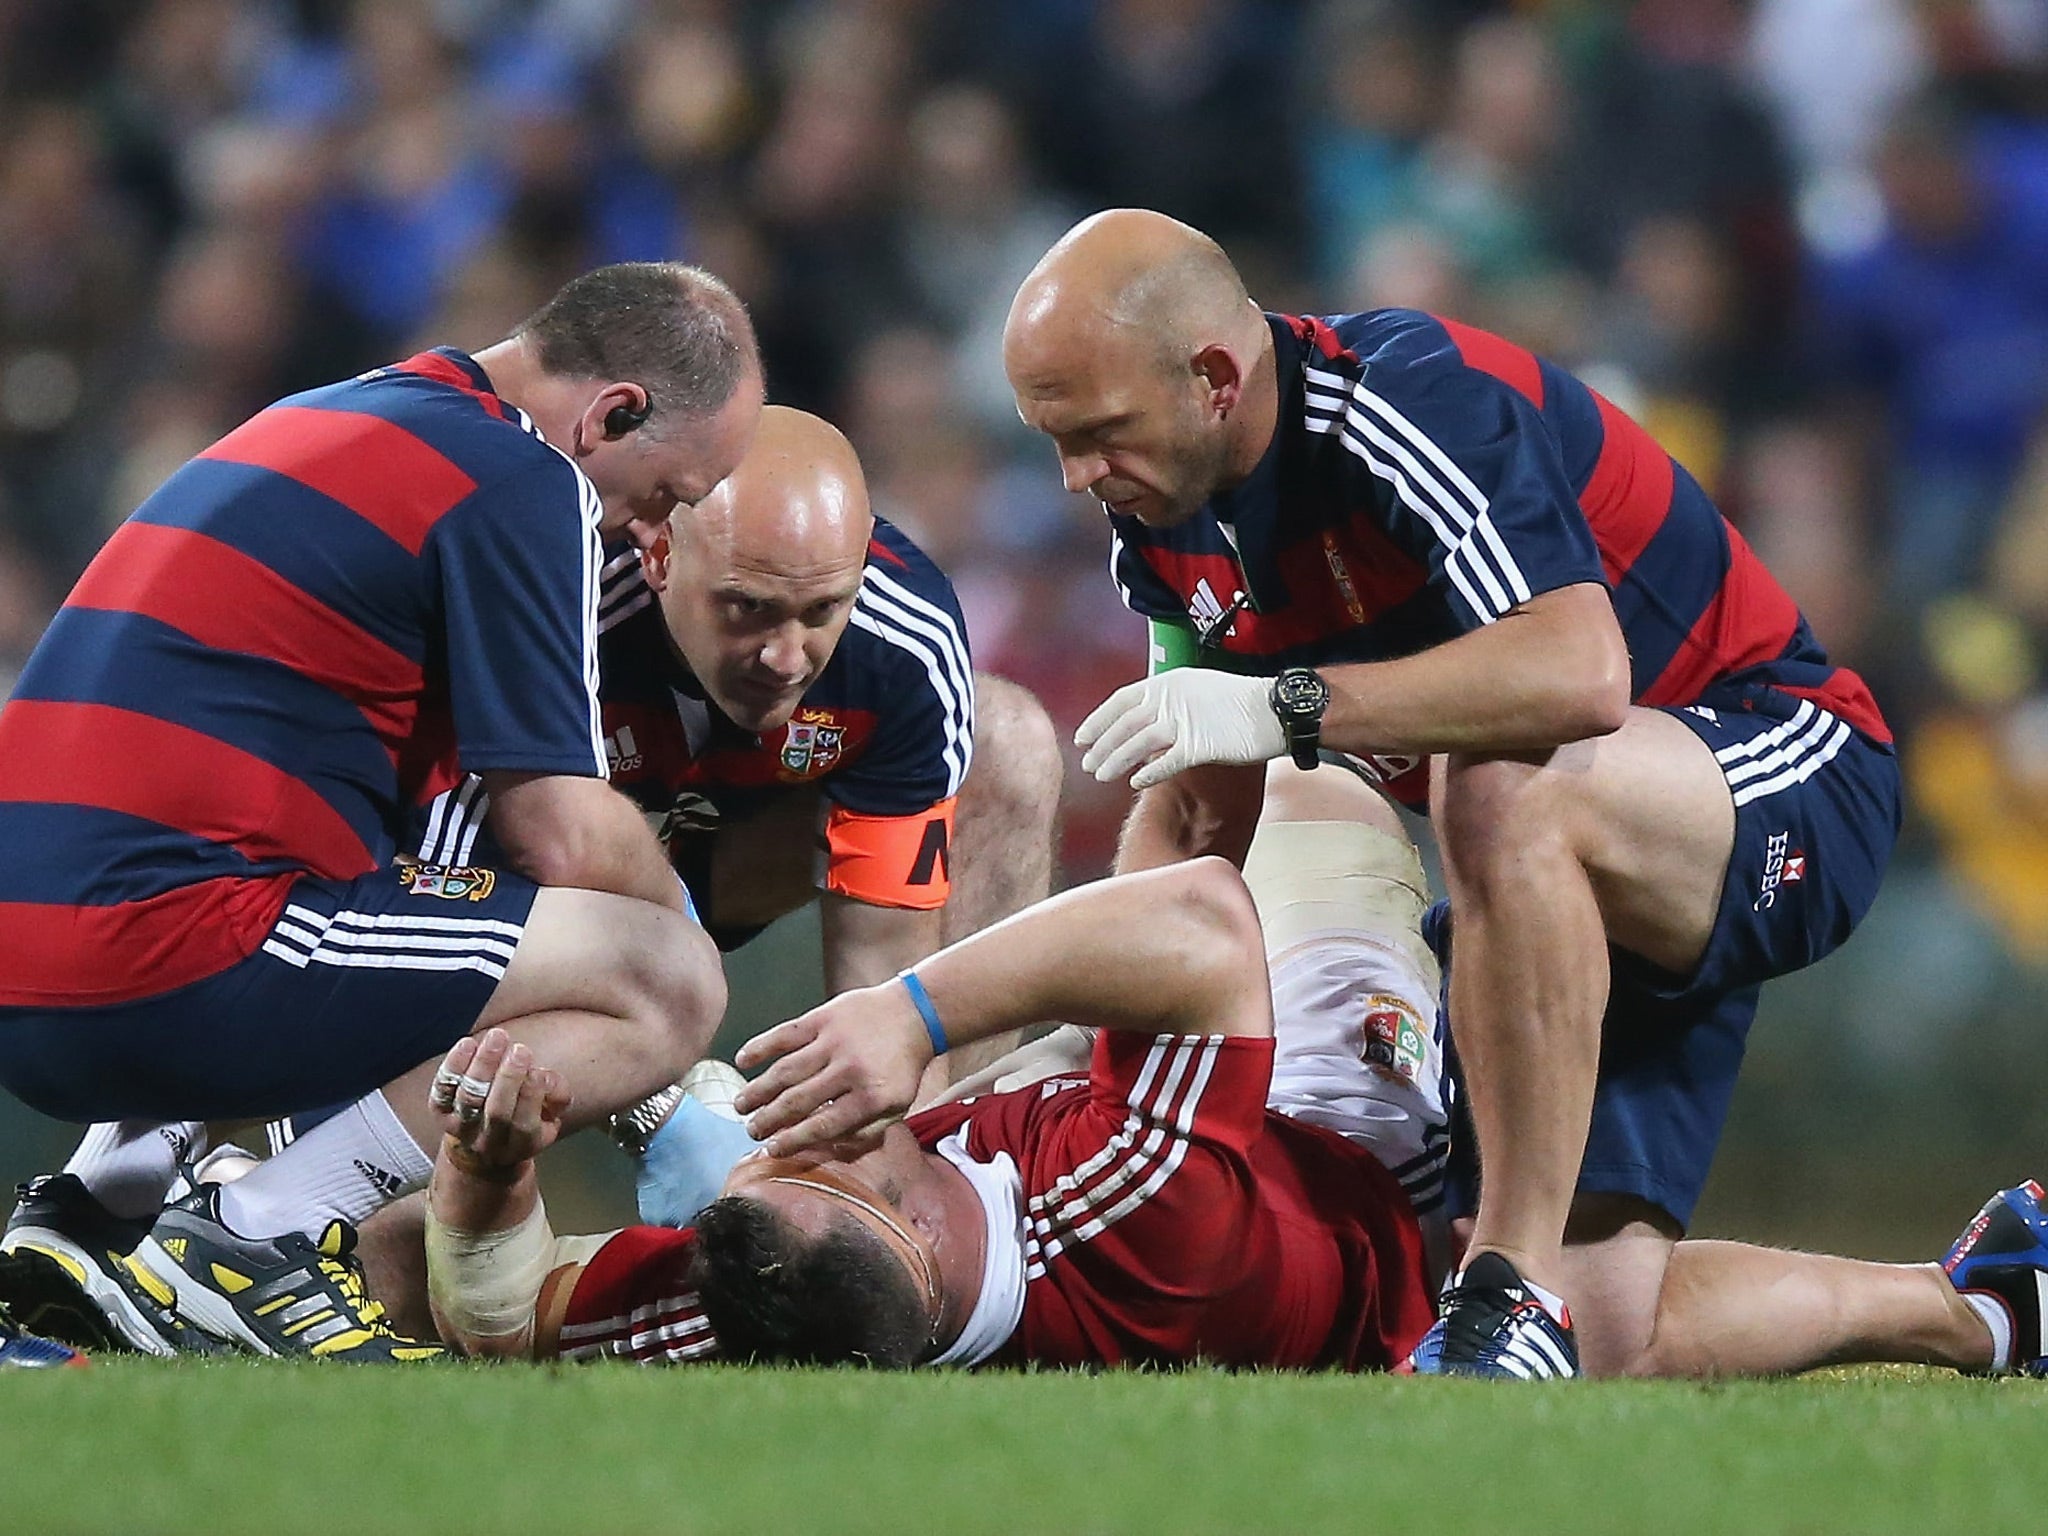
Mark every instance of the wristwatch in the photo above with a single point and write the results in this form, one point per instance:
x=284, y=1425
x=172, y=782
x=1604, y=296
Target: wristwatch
x=1299, y=698
x=633, y=1128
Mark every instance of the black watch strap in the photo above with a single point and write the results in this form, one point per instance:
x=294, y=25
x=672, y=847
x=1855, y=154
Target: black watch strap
x=1299, y=697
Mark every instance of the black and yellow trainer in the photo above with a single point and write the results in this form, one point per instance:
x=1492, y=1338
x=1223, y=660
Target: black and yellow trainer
x=68, y=1270
x=278, y=1296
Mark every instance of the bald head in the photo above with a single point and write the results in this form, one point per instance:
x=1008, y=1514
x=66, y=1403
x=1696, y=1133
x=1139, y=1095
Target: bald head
x=1138, y=326
x=757, y=581
x=798, y=498
x=1138, y=275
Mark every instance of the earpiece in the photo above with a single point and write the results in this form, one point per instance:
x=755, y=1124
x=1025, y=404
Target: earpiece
x=621, y=420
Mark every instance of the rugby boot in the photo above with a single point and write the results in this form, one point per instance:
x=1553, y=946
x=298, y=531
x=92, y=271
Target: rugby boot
x=2002, y=1256
x=1490, y=1323
x=68, y=1268
x=278, y=1296
x=20, y=1349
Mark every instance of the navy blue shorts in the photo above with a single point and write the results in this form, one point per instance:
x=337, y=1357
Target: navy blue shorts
x=1817, y=810
x=359, y=982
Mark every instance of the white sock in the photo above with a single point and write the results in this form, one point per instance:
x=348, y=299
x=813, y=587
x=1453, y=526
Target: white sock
x=128, y=1165
x=1552, y=1302
x=348, y=1167
x=1998, y=1320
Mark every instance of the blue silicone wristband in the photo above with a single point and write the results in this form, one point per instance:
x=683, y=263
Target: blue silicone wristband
x=922, y=1001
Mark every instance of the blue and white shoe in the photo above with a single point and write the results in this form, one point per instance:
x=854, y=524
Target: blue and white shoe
x=1490, y=1322
x=2000, y=1265
x=20, y=1349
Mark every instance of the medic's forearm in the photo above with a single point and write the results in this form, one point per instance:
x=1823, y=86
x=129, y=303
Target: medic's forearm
x=559, y=830
x=1552, y=671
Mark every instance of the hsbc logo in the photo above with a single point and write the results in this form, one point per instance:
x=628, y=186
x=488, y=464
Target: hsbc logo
x=1783, y=865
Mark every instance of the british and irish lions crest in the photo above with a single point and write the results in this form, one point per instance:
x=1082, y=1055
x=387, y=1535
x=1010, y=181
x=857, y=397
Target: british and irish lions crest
x=811, y=747
x=450, y=882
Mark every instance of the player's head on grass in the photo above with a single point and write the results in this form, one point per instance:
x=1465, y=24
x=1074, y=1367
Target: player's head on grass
x=800, y=1283
x=648, y=375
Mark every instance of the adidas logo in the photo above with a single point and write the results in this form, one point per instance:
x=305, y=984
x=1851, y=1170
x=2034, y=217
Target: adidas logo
x=390, y=1183
x=1209, y=612
x=622, y=751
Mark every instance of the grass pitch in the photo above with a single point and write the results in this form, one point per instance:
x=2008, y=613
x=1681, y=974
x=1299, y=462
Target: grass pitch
x=223, y=1448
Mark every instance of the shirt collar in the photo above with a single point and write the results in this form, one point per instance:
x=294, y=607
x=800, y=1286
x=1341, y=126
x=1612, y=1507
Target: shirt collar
x=468, y=366
x=1000, y=1306
x=1249, y=512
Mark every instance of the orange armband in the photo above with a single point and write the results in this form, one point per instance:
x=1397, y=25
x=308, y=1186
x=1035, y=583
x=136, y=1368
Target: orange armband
x=891, y=861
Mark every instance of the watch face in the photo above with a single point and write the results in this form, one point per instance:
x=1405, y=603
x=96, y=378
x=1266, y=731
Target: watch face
x=1300, y=693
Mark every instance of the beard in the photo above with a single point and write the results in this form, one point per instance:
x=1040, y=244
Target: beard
x=1194, y=473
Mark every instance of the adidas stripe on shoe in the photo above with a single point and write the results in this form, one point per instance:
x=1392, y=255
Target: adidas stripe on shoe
x=1491, y=1323
x=287, y=1295
x=68, y=1269
x=2000, y=1266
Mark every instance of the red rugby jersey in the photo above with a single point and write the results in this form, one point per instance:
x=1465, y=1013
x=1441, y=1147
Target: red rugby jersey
x=1171, y=1218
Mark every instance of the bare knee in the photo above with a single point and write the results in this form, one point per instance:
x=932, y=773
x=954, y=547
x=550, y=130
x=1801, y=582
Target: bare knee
x=686, y=993
x=662, y=976
x=1018, y=766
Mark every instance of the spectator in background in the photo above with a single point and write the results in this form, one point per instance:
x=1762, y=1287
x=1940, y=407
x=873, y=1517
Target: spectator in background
x=1377, y=77
x=1833, y=72
x=1978, y=768
x=1184, y=106
x=25, y=608
x=820, y=185
x=71, y=260
x=1938, y=331
x=1669, y=329
x=972, y=223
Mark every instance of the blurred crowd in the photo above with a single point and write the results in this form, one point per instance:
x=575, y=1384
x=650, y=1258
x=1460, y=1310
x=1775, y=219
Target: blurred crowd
x=1804, y=241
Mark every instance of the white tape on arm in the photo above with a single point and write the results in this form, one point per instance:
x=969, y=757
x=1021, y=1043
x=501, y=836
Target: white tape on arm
x=484, y=1284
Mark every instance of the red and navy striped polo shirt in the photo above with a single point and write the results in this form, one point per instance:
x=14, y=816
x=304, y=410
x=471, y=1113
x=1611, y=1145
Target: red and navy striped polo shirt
x=316, y=625
x=1424, y=479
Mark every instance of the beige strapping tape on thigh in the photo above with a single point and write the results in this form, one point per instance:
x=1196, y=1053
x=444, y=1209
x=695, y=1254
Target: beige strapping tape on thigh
x=1311, y=877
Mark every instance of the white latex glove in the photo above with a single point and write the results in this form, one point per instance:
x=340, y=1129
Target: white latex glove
x=1180, y=719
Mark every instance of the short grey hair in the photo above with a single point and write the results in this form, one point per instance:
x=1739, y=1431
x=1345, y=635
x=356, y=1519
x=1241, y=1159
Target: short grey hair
x=675, y=330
